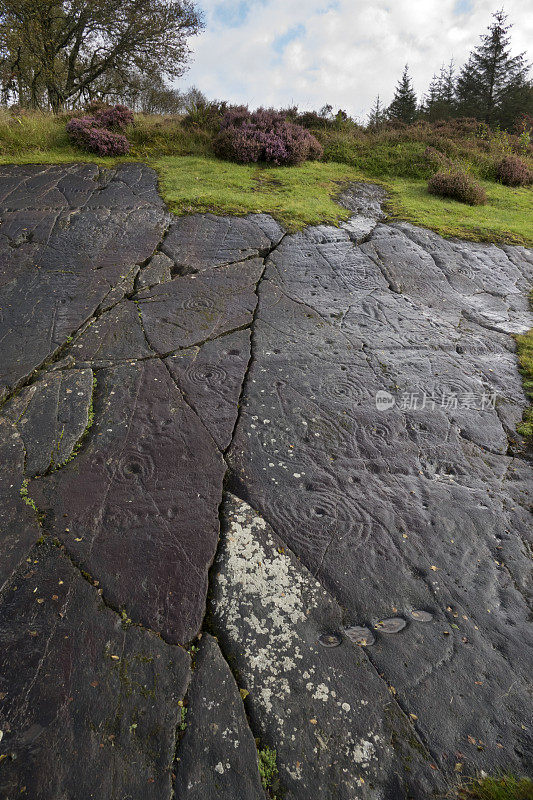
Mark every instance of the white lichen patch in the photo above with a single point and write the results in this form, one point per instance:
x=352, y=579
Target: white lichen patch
x=311, y=701
x=320, y=692
x=363, y=753
x=257, y=575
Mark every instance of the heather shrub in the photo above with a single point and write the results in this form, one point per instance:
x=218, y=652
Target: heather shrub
x=114, y=117
x=85, y=133
x=513, y=171
x=312, y=119
x=203, y=113
x=437, y=159
x=264, y=135
x=457, y=185
x=98, y=132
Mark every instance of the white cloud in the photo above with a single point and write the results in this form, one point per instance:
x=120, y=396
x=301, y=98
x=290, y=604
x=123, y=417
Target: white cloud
x=311, y=52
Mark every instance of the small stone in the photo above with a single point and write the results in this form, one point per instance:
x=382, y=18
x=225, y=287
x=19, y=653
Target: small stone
x=330, y=639
x=360, y=635
x=391, y=625
x=421, y=616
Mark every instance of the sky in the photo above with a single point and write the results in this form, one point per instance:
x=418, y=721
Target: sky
x=343, y=52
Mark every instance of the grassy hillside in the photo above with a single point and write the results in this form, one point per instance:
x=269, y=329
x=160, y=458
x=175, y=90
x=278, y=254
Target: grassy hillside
x=400, y=158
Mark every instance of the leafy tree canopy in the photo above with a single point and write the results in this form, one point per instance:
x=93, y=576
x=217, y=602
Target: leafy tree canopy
x=53, y=52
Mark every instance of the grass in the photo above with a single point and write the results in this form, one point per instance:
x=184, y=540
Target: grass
x=506, y=218
x=268, y=769
x=297, y=196
x=505, y=787
x=191, y=179
x=524, y=345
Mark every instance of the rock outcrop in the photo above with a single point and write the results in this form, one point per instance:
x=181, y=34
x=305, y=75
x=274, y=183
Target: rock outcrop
x=291, y=457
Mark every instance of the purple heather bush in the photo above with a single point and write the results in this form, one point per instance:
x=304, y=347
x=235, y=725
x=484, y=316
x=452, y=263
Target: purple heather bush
x=458, y=185
x=98, y=132
x=114, y=117
x=266, y=136
x=513, y=171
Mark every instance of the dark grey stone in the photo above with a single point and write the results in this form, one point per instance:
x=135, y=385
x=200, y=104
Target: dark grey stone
x=70, y=259
x=138, y=507
x=192, y=309
x=202, y=241
x=337, y=729
x=113, y=337
x=35, y=187
x=51, y=415
x=211, y=377
x=305, y=371
x=158, y=270
x=217, y=756
x=89, y=705
x=411, y=507
x=19, y=528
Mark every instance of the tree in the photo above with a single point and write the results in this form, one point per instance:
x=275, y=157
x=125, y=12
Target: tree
x=403, y=106
x=491, y=73
x=53, y=51
x=147, y=92
x=377, y=115
x=439, y=102
x=516, y=103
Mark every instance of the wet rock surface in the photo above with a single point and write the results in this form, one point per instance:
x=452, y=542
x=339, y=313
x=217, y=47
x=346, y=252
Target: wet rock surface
x=89, y=705
x=356, y=389
x=217, y=755
x=138, y=508
x=51, y=416
x=413, y=505
x=68, y=237
x=313, y=694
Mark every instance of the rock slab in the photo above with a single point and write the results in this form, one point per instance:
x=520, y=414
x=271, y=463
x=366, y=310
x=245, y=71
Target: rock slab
x=217, y=756
x=89, y=705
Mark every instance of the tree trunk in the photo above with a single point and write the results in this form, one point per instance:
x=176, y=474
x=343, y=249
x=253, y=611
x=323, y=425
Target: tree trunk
x=55, y=99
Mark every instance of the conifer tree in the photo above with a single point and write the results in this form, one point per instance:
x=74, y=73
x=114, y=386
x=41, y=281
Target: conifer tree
x=439, y=102
x=377, y=114
x=403, y=106
x=490, y=73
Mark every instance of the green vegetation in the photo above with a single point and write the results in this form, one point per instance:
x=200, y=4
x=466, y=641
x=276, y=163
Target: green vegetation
x=183, y=716
x=525, y=357
x=268, y=769
x=53, y=53
x=506, y=218
x=504, y=787
x=29, y=501
x=401, y=158
x=90, y=421
x=297, y=196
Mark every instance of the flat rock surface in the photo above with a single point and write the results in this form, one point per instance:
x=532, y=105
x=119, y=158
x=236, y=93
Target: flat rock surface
x=68, y=236
x=217, y=756
x=51, y=416
x=192, y=309
x=356, y=390
x=89, y=705
x=414, y=505
x=203, y=241
x=335, y=726
x=211, y=377
x=138, y=507
x=19, y=525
